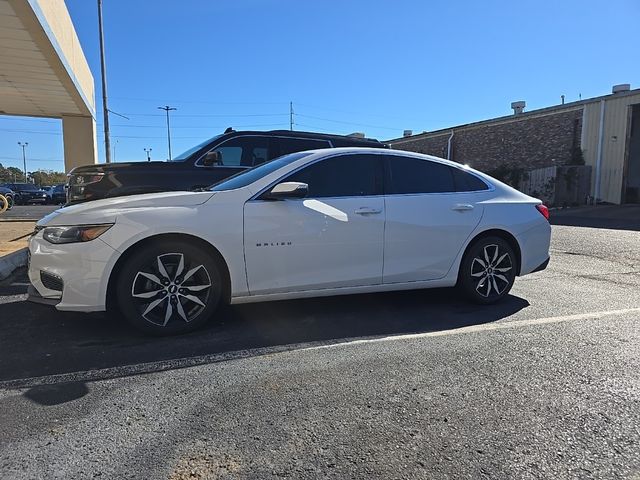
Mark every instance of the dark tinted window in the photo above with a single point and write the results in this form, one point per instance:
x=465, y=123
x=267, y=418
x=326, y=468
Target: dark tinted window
x=466, y=182
x=342, y=176
x=282, y=146
x=244, y=151
x=414, y=175
x=25, y=187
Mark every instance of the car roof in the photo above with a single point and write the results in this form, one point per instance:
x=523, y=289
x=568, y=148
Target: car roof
x=302, y=134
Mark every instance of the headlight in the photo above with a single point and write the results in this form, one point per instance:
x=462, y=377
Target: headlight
x=80, y=233
x=85, y=179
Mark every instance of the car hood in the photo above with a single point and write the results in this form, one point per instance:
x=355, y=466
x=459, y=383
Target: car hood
x=107, y=210
x=111, y=167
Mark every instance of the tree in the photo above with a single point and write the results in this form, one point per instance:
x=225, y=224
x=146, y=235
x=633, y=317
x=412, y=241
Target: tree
x=47, y=177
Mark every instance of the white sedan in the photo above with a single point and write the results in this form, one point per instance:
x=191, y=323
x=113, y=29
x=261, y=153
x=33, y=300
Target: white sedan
x=308, y=224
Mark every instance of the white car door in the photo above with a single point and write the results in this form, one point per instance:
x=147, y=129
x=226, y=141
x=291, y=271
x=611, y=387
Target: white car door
x=431, y=209
x=332, y=238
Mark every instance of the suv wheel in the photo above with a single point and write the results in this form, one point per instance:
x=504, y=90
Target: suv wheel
x=169, y=287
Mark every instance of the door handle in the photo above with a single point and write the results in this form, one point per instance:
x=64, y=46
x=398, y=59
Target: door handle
x=368, y=211
x=462, y=207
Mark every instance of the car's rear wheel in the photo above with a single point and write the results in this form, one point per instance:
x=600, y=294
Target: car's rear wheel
x=488, y=270
x=10, y=201
x=169, y=287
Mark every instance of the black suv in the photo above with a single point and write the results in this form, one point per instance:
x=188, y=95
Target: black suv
x=26, y=193
x=201, y=166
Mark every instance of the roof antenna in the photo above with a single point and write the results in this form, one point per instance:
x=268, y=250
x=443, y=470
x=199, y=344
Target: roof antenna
x=229, y=130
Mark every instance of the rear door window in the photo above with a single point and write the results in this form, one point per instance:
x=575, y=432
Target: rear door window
x=467, y=182
x=409, y=175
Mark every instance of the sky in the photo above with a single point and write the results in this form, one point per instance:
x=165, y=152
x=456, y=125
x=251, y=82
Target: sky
x=371, y=66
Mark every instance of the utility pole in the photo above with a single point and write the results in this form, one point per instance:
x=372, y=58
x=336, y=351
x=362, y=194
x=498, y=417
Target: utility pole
x=166, y=108
x=148, y=151
x=24, y=159
x=291, y=116
x=105, y=108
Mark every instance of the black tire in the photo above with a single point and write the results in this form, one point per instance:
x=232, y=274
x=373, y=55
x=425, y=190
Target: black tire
x=489, y=281
x=177, y=306
x=10, y=200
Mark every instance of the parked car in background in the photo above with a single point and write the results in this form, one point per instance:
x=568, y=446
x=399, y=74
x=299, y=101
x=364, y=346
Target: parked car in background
x=204, y=164
x=9, y=195
x=57, y=194
x=25, y=193
x=328, y=222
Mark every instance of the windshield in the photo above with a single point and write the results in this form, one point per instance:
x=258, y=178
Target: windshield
x=186, y=154
x=247, y=177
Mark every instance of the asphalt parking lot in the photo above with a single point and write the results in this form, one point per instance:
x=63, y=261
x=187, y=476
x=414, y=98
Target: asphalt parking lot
x=395, y=385
x=28, y=212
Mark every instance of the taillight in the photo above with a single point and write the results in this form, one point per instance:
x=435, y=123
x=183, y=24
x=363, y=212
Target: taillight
x=544, y=210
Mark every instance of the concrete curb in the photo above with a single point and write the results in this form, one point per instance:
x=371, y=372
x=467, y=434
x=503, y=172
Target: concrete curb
x=12, y=261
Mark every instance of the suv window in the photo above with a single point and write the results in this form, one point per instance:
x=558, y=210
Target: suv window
x=283, y=146
x=414, y=175
x=342, y=176
x=466, y=182
x=244, y=151
x=26, y=187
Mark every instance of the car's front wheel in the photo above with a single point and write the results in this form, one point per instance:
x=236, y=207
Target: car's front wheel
x=488, y=270
x=169, y=287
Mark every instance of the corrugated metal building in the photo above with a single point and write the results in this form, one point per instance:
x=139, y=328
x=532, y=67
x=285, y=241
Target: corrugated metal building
x=607, y=129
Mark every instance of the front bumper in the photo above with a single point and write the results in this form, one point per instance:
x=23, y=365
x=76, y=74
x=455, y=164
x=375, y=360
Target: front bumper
x=82, y=267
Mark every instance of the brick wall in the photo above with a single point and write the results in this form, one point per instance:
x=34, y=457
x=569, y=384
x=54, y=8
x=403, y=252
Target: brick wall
x=526, y=142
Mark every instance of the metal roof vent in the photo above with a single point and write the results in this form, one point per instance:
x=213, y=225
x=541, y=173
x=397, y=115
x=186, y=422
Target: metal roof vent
x=518, y=107
x=407, y=133
x=623, y=87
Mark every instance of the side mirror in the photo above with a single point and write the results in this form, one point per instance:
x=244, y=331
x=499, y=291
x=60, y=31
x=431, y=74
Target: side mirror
x=212, y=158
x=287, y=190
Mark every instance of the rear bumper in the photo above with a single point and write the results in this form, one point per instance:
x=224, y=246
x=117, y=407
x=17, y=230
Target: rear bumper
x=534, y=248
x=542, y=266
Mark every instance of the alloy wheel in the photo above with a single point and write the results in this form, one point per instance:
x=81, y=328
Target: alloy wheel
x=491, y=271
x=172, y=288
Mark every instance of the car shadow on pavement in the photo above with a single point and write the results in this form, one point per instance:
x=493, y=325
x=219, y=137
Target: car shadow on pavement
x=39, y=341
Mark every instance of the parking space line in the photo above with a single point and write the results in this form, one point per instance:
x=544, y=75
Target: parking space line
x=491, y=326
x=163, y=365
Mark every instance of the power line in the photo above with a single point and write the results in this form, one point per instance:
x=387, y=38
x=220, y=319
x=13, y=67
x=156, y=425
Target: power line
x=203, y=115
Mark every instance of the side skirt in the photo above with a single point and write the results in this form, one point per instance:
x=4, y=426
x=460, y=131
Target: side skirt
x=328, y=292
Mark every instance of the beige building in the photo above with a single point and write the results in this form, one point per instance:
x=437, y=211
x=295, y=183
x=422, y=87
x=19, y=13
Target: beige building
x=44, y=73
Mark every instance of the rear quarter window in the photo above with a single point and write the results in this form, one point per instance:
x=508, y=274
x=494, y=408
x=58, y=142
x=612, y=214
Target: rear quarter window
x=467, y=182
